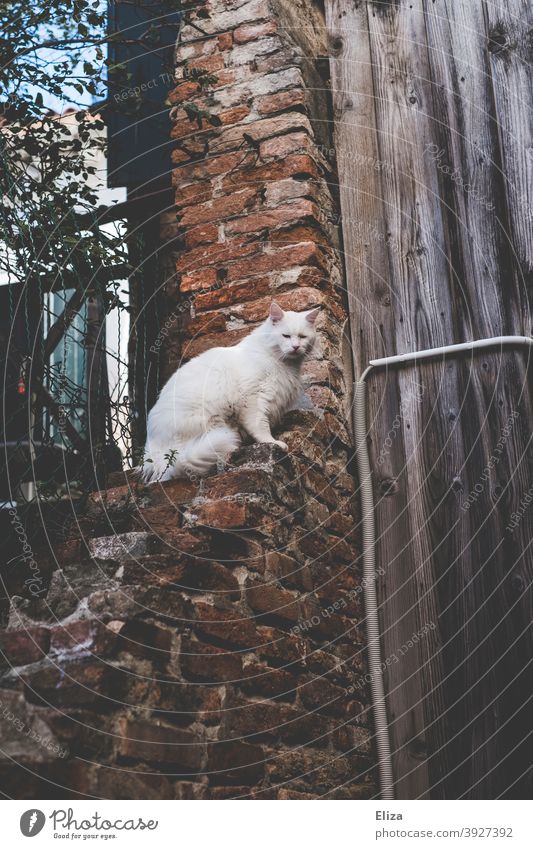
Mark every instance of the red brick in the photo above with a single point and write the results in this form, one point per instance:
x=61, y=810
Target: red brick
x=88, y=635
x=189, y=149
x=146, y=741
x=279, y=647
x=211, y=63
x=225, y=41
x=249, y=32
x=319, y=694
x=267, y=599
x=174, y=493
x=227, y=77
x=270, y=218
x=199, y=192
x=280, y=101
x=234, y=115
x=258, y=131
x=232, y=515
x=287, y=570
x=235, y=294
x=229, y=762
x=184, y=703
x=74, y=683
x=192, y=349
x=214, y=254
x=69, y=552
x=291, y=166
x=185, y=127
x=279, y=260
x=215, y=165
x=184, y=573
x=297, y=300
x=24, y=646
x=212, y=322
x=257, y=720
x=204, y=278
x=219, y=209
x=280, y=146
x=239, y=481
x=184, y=91
x=202, y=662
x=228, y=626
x=146, y=640
x=260, y=680
x=204, y=234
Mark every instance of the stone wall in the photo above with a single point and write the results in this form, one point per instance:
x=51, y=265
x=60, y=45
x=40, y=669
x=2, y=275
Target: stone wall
x=202, y=639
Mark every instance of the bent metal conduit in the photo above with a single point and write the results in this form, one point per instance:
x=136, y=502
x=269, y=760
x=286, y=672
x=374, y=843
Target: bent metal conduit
x=369, y=537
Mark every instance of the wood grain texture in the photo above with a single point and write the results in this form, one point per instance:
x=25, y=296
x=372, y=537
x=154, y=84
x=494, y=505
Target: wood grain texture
x=425, y=167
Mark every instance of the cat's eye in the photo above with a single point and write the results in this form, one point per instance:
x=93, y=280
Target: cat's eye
x=286, y=335
x=301, y=336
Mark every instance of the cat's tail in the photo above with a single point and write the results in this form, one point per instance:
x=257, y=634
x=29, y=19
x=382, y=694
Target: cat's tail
x=191, y=459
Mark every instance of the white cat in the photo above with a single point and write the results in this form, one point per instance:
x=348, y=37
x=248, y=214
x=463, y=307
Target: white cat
x=208, y=403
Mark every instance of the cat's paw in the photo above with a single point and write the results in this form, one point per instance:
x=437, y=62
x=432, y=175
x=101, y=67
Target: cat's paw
x=282, y=445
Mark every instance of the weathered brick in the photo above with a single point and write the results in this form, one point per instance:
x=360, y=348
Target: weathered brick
x=214, y=254
x=239, y=481
x=204, y=278
x=85, y=635
x=250, y=32
x=258, y=131
x=146, y=640
x=269, y=600
x=236, y=293
x=233, y=762
x=24, y=645
x=230, y=514
x=271, y=218
x=234, y=115
x=212, y=323
x=227, y=626
x=220, y=209
x=281, y=648
x=191, y=349
x=320, y=695
x=202, y=662
x=184, y=703
x=212, y=63
x=273, y=720
x=267, y=681
x=298, y=300
x=203, y=234
x=184, y=573
x=280, y=101
x=289, y=571
x=184, y=91
x=279, y=260
x=280, y=146
x=225, y=41
x=73, y=683
x=153, y=743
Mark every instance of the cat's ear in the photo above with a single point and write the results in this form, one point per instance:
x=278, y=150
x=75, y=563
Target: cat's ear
x=276, y=313
x=312, y=315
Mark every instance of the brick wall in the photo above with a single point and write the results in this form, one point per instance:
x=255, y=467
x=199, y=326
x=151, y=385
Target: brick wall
x=203, y=639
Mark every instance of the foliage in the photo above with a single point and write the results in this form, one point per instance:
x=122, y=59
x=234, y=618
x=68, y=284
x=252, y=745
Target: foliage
x=48, y=169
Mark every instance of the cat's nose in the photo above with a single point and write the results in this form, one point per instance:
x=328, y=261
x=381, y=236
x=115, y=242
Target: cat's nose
x=295, y=347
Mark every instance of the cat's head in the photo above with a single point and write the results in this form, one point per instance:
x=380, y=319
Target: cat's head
x=292, y=333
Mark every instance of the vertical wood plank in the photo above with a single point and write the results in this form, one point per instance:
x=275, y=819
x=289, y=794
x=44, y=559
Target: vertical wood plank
x=425, y=166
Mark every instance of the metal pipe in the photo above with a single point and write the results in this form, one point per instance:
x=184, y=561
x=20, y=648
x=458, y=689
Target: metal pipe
x=369, y=538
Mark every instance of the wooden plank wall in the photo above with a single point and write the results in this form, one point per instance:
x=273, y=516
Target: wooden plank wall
x=433, y=110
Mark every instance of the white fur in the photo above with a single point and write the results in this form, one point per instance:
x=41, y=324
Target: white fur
x=209, y=402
